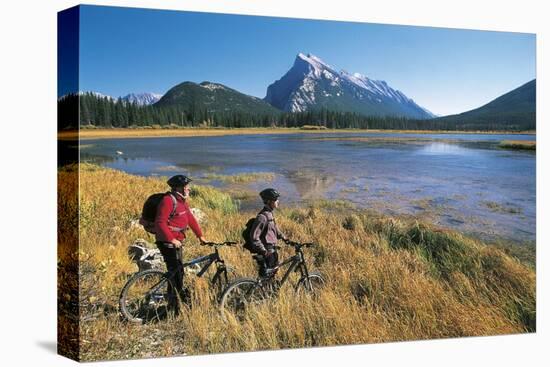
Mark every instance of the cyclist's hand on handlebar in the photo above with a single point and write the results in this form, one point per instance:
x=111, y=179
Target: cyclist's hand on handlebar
x=292, y=243
x=176, y=243
x=226, y=243
x=203, y=240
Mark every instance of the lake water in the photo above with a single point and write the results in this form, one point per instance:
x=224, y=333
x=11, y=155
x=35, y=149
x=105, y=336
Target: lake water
x=462, y=181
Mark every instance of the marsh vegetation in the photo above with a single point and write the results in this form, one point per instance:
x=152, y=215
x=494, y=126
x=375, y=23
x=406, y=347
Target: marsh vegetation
x=388, y=278
x=518, y=144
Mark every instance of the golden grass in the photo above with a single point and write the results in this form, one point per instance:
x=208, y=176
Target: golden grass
x=242, y=177
x=518, y=144
x=387, y=279
x=182, y=132
x=186, y=132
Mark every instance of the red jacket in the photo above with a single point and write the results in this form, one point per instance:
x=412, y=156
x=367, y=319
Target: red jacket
x=167, y=229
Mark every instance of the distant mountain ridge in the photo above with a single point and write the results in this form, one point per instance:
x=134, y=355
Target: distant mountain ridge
x=142, y=99
x=97, y=94
x=215, y=98
x=312, y=84
x=513, y=110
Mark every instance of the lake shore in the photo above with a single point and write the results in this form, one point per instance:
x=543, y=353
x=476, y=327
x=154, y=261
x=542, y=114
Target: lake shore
x=437, y=162
x=405, y=279
x=85, y=134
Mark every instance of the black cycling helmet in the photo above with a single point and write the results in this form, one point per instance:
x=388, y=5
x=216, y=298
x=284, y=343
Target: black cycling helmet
x=178, y=181
x=269, y=194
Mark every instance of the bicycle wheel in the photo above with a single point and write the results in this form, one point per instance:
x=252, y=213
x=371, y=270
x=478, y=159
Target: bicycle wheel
x=239, y=296
x=312, y=284
x=145, y=297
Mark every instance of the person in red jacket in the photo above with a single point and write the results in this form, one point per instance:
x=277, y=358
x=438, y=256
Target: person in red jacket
x=170, y=226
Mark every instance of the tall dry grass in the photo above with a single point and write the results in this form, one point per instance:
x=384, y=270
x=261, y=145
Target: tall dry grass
x=158, y=131
x=388, y=279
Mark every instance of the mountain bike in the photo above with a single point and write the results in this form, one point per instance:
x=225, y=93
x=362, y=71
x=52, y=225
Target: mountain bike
x=145, y=296
x=244, y=292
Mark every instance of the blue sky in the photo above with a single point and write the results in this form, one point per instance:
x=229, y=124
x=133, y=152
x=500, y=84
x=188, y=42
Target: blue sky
x=124, y=50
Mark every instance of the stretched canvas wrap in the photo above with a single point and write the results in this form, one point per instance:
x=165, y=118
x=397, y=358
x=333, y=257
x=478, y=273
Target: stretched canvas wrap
x=320, y=183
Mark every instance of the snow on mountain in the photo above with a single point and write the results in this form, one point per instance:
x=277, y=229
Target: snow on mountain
x=319, y=66
x=142, y=99
x=312, y=83
x=97, y=94
x=212, y=86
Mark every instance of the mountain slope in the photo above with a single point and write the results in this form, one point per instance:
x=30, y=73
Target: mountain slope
x=311, y=84
x=513, y=110
x=215, y=98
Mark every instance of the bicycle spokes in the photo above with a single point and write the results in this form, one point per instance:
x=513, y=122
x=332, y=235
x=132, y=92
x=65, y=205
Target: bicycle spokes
x=240, y=296
x=311, y=284
x=146, y=297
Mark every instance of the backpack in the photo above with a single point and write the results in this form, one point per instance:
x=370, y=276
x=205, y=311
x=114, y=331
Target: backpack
x=149, y=211
x=247, y=235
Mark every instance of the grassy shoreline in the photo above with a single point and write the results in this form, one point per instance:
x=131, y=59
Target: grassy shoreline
x=388, y=279
x=85, y=134
x=518, y=145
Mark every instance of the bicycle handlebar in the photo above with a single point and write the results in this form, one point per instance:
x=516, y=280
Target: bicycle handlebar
x=226, y=243
x=298, y=244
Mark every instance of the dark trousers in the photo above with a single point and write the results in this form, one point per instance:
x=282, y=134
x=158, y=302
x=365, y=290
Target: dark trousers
x=267, y=262
x=173, y=259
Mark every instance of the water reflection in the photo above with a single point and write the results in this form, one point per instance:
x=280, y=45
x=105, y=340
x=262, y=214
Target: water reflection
x=310, y=184
x=444, y=149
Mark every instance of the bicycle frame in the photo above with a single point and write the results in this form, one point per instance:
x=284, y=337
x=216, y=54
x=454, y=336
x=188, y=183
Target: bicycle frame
x=295, y=261
x=207, y=260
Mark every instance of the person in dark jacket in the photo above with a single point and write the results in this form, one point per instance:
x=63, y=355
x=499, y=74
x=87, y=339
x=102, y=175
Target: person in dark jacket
x=264, y=232
x=170, y=232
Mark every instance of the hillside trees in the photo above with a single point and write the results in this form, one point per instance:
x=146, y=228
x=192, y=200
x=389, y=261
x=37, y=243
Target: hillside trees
x=107, y=112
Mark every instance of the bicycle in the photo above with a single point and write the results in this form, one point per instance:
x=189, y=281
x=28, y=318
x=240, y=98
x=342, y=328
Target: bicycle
x=246, y=291
x=145, y=295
